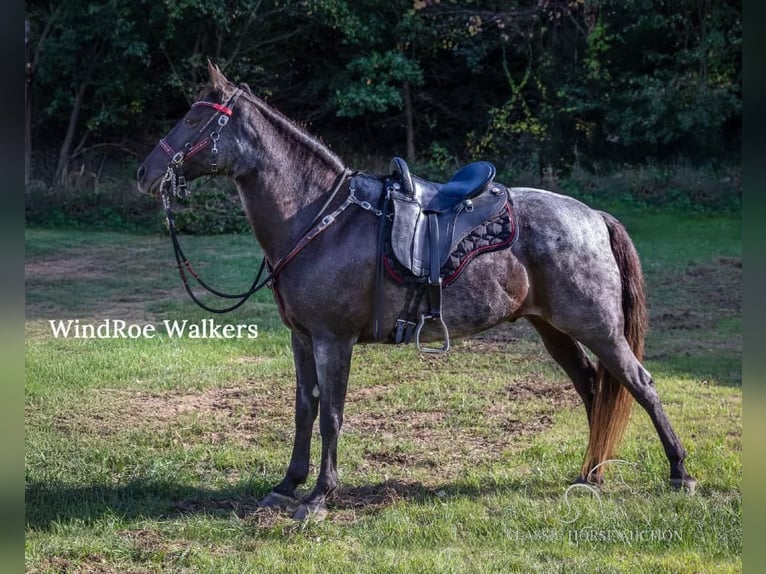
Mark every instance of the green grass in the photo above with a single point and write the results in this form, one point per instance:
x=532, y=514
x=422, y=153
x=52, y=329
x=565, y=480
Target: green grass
x=148, y=455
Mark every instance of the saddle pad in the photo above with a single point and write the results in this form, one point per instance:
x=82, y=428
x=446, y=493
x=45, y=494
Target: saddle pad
x=495, y=234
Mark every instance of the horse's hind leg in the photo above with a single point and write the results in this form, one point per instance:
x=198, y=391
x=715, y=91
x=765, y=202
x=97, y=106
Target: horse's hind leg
x=622, y=364
x=306, y=405
x=571, y=357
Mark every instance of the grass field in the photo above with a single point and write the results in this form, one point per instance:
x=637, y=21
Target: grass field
x=149, y=455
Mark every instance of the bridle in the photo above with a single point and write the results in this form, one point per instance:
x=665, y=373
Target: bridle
x=173, y=184
x=174, y=175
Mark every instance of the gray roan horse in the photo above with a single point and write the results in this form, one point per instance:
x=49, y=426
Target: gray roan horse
x=573, y=274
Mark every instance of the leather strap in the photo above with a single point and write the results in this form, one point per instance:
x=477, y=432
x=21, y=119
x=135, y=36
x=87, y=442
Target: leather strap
x=434, y=285
x=433, y=291
x=381, y=253
x=434, y=275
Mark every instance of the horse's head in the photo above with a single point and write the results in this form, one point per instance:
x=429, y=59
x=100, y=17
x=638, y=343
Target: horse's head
x=202, y=143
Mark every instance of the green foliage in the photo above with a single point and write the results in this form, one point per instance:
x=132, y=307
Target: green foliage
x=663, y=81
x=111, y=68
x=211, y=210
x=106, y=207
x=373, y=83
x=545, y=86
x=679, y=187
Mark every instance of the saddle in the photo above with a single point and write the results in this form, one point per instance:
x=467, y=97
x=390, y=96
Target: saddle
x=429, y=221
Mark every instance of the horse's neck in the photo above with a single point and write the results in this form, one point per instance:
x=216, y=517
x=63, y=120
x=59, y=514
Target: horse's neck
x=284, y=190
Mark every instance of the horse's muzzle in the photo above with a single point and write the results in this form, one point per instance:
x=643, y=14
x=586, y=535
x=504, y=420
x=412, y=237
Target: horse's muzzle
x=146, y=185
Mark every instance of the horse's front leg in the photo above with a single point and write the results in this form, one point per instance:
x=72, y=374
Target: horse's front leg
x=306, y=403
x=333, y=361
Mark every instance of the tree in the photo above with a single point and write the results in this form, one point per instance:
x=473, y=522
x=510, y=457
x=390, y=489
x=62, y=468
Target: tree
x=85, y=45
x=32, y=55
x=660, y=80
x=379, y=59
x=543, y=83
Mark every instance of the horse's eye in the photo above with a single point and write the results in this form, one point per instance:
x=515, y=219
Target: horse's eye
x=191, y=122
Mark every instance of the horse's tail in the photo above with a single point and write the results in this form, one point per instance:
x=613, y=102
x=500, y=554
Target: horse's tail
x=612, y=402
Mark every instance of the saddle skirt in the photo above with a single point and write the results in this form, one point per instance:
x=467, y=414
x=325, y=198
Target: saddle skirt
x=412, y=233
x=431, y=219
x=495, y=234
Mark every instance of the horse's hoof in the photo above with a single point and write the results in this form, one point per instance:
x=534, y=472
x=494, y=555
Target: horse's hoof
x=595, y=483
x=687, y=485
x=276, y=500
x=316, y=512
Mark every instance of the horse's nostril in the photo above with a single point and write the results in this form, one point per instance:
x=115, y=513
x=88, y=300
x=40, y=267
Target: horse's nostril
x=140, y=173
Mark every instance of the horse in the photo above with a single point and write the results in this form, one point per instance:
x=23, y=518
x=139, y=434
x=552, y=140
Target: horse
x=573, y=273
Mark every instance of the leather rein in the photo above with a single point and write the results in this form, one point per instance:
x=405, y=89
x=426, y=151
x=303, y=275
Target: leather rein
x=174, y=184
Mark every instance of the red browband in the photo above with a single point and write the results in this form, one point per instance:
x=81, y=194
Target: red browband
x=219, y=107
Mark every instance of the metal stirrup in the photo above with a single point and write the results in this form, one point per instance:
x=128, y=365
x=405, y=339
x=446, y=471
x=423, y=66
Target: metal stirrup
x=445, y=334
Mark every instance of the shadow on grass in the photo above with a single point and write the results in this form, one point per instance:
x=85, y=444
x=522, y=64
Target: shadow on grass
x=49, y=504
x=53, y=502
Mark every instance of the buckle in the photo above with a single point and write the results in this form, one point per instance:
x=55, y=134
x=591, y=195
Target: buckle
x=326, y=220
x=181, y=191
x=403, y=331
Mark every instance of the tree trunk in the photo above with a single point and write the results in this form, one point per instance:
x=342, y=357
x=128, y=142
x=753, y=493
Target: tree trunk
x=410, y=122
x=67, y=143
x=27, y=107
x=31, y=68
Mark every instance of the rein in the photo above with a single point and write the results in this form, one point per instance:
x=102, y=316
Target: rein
x=184, y=266
x=174, y=184
x=314, y=230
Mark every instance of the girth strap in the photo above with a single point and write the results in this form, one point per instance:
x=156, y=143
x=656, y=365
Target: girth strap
x=408, y=318
x=380, y=256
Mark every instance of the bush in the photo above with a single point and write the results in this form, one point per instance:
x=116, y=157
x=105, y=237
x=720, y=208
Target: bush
x=210, y=210
x=105, y=207
x=114, y=204
x=675, y=186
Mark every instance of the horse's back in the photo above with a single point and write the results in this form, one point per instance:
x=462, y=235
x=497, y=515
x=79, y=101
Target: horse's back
x=552, y=225
x=565, y=247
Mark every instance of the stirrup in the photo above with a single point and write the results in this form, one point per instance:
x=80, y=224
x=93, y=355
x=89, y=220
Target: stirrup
x=435, y=350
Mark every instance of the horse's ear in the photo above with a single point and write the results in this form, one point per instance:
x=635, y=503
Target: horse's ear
x=217, y=79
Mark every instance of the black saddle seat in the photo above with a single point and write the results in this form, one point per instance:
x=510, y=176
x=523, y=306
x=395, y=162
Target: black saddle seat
x=468, y=182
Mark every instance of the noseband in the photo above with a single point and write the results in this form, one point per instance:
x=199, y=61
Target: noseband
x=174, y=177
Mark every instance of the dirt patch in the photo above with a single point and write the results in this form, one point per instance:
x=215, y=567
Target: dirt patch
x=548, y=398
x=149, y=545
x=555, y=395
x=698, y=297
x=681, y=321
x=76, y=264
x=237, y=413
x=716, y=286
x=404, y=441
x=90, y=564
